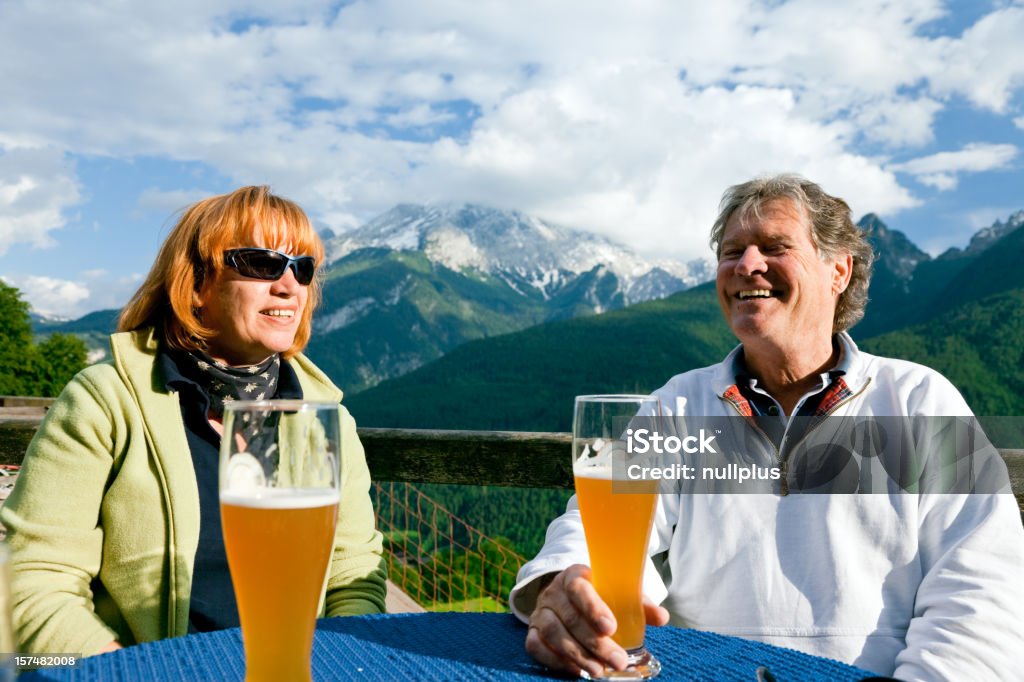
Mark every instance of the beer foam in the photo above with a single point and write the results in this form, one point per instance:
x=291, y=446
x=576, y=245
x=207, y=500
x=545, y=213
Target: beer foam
x=281, y=498
x=598, y=471
x=595, y=455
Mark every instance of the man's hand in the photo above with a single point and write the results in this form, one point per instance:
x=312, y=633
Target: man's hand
x=571, y=626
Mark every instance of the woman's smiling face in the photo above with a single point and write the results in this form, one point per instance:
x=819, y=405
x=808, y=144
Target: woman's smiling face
x=252, y=318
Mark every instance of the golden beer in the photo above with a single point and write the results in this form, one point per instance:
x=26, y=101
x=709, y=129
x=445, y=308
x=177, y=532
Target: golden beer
x=279, y=545
x=617, y=525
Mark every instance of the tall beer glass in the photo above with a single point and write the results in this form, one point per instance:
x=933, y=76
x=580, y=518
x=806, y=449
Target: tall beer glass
x=617, y=514
x=279, y=473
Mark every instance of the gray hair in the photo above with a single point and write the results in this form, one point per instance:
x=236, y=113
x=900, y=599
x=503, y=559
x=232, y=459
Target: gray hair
x=832, y=231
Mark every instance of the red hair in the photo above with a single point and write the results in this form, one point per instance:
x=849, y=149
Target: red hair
x=194, y=251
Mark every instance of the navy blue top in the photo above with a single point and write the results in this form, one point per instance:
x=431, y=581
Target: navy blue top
x=212, y=605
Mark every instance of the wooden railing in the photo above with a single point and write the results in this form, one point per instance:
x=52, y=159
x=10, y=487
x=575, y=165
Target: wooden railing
x=509, y=458
x=514, y=459
x=12, y=401
x=492, y=458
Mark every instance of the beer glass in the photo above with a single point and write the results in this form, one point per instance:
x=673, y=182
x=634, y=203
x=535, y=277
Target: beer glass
x=279, y=493
x=617, y=514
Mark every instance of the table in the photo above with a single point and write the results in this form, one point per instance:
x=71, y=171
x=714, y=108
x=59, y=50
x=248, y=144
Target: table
x=440, y=646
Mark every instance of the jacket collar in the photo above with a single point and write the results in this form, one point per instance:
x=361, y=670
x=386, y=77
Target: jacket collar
x=852, y=362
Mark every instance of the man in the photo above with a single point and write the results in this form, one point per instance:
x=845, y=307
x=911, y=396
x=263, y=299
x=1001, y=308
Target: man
x=919, y=586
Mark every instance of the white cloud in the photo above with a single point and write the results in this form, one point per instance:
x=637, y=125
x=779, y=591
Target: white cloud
x=657, y=184
x=941, y=170
x=420, y=115
x=106, y=290
x=898, y=121
x=36, y=187
x=986, y=64
x=1019, y=122
x=56, y=297
x=49, y=296
x=592, y=127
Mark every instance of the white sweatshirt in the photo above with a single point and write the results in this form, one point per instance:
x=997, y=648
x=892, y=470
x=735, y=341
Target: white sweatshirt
x=917, y=586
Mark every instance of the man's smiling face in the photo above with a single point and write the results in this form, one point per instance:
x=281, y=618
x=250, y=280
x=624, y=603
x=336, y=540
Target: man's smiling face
x=772, y=284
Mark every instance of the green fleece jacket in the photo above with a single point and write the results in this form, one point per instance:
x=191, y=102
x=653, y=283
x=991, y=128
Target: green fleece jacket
x=104, y=520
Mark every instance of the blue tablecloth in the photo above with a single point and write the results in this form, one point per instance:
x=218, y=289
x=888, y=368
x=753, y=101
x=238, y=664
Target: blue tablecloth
x=440, y=646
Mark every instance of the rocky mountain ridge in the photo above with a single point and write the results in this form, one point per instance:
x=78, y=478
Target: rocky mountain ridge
x=522, y=250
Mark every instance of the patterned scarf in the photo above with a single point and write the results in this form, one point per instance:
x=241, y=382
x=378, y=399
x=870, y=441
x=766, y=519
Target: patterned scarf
x=225, y=383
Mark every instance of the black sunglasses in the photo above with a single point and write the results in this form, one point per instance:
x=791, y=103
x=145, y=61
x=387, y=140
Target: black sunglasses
x=269, y=264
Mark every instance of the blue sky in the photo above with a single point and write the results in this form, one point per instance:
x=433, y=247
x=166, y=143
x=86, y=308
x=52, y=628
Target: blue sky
x=625, y=119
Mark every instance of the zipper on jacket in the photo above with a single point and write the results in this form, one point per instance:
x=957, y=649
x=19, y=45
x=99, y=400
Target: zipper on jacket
x=783, y=460
x=783, y=485
x=821, y=417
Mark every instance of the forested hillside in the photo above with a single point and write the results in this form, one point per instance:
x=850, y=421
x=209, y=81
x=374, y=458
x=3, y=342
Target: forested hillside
x=526, y=381
x=979, y=346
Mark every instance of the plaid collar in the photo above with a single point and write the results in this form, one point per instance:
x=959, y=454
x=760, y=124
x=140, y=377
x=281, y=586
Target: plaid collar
x=818, y=404
x=750, y=401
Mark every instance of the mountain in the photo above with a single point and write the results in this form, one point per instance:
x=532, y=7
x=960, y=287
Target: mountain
x=910, y=287
x=967, y=322
x=986, y=237
x=44, y=321
x=418, y=281
x=526, y=252
x=896, y=255
x=93, y=329
x=385, y=313
x=100, y=321
x=897, y=258
x=985, y=271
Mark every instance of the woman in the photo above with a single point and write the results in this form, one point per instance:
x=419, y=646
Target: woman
x=114, y=524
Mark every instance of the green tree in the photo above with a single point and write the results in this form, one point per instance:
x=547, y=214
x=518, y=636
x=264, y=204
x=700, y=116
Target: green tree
x=30, y=369
x=17, y=352
x=61, y=357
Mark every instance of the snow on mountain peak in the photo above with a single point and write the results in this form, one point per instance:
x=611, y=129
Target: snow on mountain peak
x=454, y=248
x=501, y=242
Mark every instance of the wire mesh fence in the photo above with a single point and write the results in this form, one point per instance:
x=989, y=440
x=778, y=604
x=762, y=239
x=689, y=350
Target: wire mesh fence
x=438, y=559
